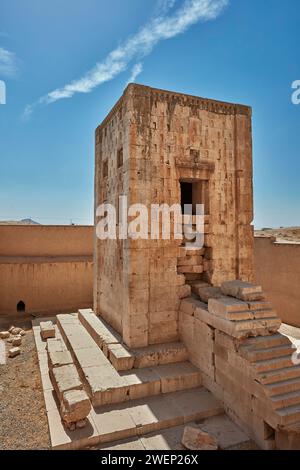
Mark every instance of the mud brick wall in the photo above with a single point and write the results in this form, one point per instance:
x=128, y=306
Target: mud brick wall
x=166, y=138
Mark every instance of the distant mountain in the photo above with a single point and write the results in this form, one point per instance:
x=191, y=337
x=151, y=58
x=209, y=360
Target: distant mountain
x=19, y=222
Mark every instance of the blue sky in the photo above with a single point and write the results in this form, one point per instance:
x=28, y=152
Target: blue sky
x=245, y=52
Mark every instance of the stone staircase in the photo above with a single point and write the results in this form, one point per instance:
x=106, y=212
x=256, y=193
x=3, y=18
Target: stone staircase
x=132, y=392
x=251, y=359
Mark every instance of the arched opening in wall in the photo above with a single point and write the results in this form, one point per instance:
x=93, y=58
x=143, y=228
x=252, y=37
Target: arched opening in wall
x=21, y=306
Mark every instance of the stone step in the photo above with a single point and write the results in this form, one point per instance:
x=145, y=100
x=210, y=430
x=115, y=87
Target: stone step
x=273, y=364
x=266, y=342
x=124, y=358
x=283, y=387
x=105, y=385
x=286, y=400
x=228, y=434
x=289, y=415
x=102, y=333
x=278, y=375
x=254, y=355
x=108, y=424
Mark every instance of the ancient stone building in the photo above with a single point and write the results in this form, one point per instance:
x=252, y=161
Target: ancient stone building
x=159, y=147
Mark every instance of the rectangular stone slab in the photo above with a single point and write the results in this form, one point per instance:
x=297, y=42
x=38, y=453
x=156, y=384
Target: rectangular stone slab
x=65, y=378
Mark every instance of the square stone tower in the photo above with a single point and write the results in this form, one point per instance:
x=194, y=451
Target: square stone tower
x=161, y=147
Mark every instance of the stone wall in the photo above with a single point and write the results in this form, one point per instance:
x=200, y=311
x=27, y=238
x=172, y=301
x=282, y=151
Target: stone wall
x=277, y=269
x=46, y=268
x=165, y=139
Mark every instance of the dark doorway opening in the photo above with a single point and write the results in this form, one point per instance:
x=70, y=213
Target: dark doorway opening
x=186, y=194
x=21, y=306
x=196, y=192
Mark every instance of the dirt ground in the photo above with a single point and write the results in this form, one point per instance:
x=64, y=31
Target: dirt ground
x=23, y=421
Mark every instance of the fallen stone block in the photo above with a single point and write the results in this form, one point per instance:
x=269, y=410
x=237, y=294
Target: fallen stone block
x=16, y=331
x=22, y=333
x=17, y=340
x=242, y=290
x=75, y=407
x=11, y=328
x=47, y=330
x=196, y=439
x=13, y=352
x=4, y=334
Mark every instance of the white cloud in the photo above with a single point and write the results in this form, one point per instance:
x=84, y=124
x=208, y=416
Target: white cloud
x=136, y=71
x=8, y=63
x=161, y=27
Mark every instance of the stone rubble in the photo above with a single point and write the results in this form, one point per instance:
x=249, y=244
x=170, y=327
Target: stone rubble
x=195, y=439
x=13, y=352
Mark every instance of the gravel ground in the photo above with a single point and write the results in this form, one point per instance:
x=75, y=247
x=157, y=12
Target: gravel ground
x=23, y=421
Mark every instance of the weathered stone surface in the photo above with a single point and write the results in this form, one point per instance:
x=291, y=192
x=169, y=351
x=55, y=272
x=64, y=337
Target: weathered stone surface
x=242, y=290
x=206, y=293
x=17, y=340
x=13, y=352
x=65, y=378
x=16, y=331
x=75, y=406
x=195, y=439
x=59, y=358
x=177, y=129
x=47, y=330
x=4, y=334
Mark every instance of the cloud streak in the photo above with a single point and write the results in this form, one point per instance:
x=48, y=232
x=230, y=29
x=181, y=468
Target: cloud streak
x=166, y=24
x=8, y=63
x=135, y=72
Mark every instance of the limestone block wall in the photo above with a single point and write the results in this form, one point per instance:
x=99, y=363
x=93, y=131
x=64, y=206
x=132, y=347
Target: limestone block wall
x=277, y=269
x=150, y=143
x=47, y=268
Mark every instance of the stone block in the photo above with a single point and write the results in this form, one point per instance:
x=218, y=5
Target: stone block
x=16, y=340
x=195, y=439
x=65, y=378
x=242, y=290
x=59, y=358
x=47, y=330
x=4, y=334
x=13, y=352
x=75, y=406
x=15, y=331
x=206, y=293
x=222, y=306
x=184, y=291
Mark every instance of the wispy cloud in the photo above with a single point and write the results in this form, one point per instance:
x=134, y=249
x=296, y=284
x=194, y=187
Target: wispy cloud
x=135, y=72
x=8, y=63
x=165, y=25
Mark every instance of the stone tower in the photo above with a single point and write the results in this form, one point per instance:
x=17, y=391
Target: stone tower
x=161, y=147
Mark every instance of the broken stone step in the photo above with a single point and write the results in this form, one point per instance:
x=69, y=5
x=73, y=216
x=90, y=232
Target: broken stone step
x=289, y=415
x=285, y=400
x=65, y=378
x=283, y=387
x=206, y=293
x=273, y=364
x=255, y=355
x=158, y=354
x=100, y=331
x=225, y=305
x=106, y=386
x=108, y=424
x=120, y=356
x=242, y=290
